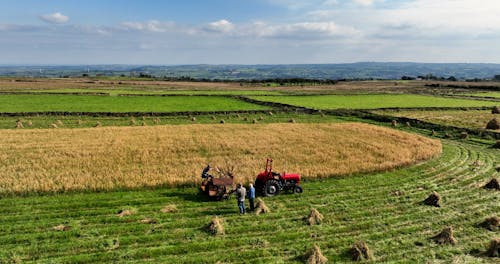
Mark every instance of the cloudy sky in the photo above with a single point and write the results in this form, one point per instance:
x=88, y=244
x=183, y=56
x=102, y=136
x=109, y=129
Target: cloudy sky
x=248, y=31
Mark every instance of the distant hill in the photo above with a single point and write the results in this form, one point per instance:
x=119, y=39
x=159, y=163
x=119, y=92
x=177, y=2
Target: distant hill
x=361, y=70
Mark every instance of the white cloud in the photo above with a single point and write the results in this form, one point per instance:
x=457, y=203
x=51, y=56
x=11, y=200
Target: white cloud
x=303, y=30
x=55, y=18
x=364, y=2
x=150, y=26
x=222, y=25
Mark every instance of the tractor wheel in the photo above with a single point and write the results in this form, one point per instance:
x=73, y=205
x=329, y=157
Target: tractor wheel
x=297, y=189
x=271, y=188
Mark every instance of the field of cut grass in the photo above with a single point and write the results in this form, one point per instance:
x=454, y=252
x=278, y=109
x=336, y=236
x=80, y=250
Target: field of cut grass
x=80, y=103
x=458, y=118
x=130, y=157
x=372, y=101
x=382, y=209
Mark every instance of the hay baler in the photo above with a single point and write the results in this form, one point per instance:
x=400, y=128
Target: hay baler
x=270, y=183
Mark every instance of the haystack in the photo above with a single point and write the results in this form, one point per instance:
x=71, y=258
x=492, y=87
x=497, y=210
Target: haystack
x=156, y=121
x=53, y=125
x=408, y=124
x=30, y=123
x=495, y=110
x=61, y=227
x=493, y=124
x=171, y=208
x=445, y=237
x=270, y=113
x=133, y=122
x=491, y=223
x=144, y=123
x=492, y=184
x=216, y=227
x=360, y=251
x=125, y=212
x=19, y=124
x=222, y=121
x=98, y=124
x=314, y=256
x=193, y=118
x=494, y=250
x=315, y=217
x=79, y=122
x=214, y=118
x=59, y=122
x=149, y=220
x=291, y=121
x=261, y=118
x=433, y=199
x=261, y=207
x=246, y=119
x=394, y=123
x=254, y=121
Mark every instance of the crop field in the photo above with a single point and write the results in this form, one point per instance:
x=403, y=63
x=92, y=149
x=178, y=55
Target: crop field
x=372, y=101
x=108, y=158
x=84, y=103
x=122, y=187
x=459, y=118
x=486, y=94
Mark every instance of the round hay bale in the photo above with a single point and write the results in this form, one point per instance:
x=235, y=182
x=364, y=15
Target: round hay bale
x=30, y=123
x=291, y=121
x=433, y=200
x=495, y=110
x=261, y=207
x=464, y=135
x=493, y=124
x=360, y=251
x=315, y=217
x=493, y=184
x=216, y=227
x=494, y=249
x=314, y=256
x=445, y=237
x=394, y=123
x=149, y=220
x=171, y=208
x=491, y=223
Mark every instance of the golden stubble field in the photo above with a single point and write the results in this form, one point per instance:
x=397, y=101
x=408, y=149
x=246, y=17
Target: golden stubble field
x=46, y=160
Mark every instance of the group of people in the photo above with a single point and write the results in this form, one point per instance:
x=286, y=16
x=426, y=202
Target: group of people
x=241, y=193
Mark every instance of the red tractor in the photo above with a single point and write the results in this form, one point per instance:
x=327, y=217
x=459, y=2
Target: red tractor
x=270, y=183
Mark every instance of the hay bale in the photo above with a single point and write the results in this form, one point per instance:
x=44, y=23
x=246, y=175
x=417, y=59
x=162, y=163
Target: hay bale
x=61, y=227
x=495, y=110
x=149, y=220
x=19, y=124
x=491, y=223
x=156, y=121
x=408, y=124
x=254, y=121
x=171, y=208
x=270, y=113
x=214, y=118
x=445, y=237
x=222, y=121
x=261, y=118
x=291, y=121
x=360, y=251
x=493, y=184
x=216, y=227
x=98, y=124
x=314, y=256
x=133, y=122
x=496, y=145
x=193, y=119
x=53, y=125
x=30, y=123
x=125, y=212
x=144, y=123
x=59, y=122
x=261, y=207
x=494, y=249
x=433, y=200
x=245, y=119
x=493, y=124
x=394, y=123
x=315, y=217
x=464, y=135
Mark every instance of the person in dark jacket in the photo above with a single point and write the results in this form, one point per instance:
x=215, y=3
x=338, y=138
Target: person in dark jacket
x=205, y=173
x=240, y=197
x=251, y=196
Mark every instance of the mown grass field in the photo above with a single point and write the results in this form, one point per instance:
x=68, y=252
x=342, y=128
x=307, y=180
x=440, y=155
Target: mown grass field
x=459, y=118
x=372, y=101
x=394, y=224
x=108, y=158
x=84, y=103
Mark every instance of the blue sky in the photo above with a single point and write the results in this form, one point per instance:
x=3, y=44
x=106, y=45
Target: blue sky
x=248, y=32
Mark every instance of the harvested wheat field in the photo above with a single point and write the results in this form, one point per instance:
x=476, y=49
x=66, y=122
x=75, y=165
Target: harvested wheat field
x=127, y=157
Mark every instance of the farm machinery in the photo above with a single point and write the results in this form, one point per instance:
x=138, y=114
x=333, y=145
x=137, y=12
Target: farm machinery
x=270, y=183
x=217, y=188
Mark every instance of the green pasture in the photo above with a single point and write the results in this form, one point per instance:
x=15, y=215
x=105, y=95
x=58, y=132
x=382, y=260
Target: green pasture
x=383, y=209
x=372, y=101
x=486, y=94
x=81, y=103
x=135, y=90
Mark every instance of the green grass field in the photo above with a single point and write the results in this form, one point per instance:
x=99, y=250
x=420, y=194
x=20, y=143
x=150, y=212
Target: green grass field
x=372, y=101
x=80, y=103
x=487, y=94
x=382, y=209
x=114, y=92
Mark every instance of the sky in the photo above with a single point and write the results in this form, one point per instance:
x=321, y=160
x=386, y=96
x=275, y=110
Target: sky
x=153, y=32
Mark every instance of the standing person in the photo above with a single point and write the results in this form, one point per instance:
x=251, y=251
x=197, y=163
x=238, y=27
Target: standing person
x=206, y=172
x=240, y=196
x=251, y=196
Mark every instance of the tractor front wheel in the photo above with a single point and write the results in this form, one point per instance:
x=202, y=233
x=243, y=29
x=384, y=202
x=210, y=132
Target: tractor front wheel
x=271, y=188
x=297, y=189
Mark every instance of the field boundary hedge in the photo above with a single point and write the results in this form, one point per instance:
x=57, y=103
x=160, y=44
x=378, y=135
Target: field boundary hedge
x=56, y=93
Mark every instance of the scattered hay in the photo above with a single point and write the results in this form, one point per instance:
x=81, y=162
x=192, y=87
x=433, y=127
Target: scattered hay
x=222, y=121
x=394, y=123
x=493, y=184
x=494, y=249
x=496, y=145
x=53, y=125
x=491, y=223
x=19, y=124
x=464, y=135
x=493, y=124
x=171, y=208
x=133, y=122
x=433, y=200
x=315, y=217
x=216, y=227
x=495, y=110
x=61, y=227
x=261, y=207
x=125, y=212
x=445, y=237
x=314, y=256
x=291, y=121
x=193, y=118
x=360, y=251
x=149, y=220
x=98, y=124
